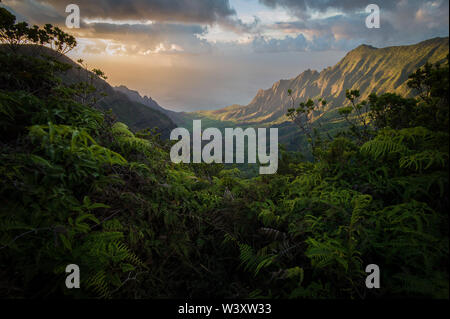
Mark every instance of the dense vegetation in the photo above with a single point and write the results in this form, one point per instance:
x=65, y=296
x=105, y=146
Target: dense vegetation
x=365, y=68
x=368, y=69
x=79, y=187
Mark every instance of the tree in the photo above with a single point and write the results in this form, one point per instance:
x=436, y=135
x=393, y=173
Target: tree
x=303, y=117
x=431, y=83
x=15, y=34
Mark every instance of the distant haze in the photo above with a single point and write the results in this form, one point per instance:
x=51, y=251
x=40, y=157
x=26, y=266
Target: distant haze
x=213, y=81
x=206, y=54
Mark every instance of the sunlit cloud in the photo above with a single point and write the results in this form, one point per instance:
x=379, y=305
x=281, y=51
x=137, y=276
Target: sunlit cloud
x=118, y=22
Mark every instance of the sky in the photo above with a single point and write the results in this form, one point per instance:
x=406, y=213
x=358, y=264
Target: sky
x=207, y=54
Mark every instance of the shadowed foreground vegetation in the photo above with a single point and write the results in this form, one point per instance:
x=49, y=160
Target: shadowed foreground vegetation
x=79, y=187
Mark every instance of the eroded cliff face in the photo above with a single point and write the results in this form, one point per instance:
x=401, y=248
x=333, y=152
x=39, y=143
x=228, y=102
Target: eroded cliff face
x=368, y=69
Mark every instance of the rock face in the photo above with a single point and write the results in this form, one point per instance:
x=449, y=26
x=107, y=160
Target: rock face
x=176, y=117
x=135, y=96
x=369, y=69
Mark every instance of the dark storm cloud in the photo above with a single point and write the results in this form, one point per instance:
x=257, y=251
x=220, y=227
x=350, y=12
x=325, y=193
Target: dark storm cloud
x=318, y=25
x=176, y=25
x=205, y=12
x=188, y=11
x=175, y=22
x=34, y=12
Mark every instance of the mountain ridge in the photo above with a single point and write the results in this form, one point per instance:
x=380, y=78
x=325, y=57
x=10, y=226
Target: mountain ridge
x=136, y=115
x=135, y=96
x=367, y=68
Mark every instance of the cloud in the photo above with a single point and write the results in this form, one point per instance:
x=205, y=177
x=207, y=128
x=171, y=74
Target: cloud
x=186, y=11
x=303, y=7
x=194, y=26
x=144, y=39
x=402, y=22
x=138, y=26
x=34, y=11
x=334, y=33
x=135, y=27
x=263, y=44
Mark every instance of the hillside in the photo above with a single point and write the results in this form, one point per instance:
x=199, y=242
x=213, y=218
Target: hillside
x=86, y=203
x=136, y=115
x=135, y=96
x=369, y=69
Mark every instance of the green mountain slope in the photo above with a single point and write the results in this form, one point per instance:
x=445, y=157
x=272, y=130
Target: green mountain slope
x=79, y=191
x=369, y=69
x=136, y=115
x=176, y=117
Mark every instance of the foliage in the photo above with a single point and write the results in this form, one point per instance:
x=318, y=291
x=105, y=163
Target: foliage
x=17, y=34
x=79, y=187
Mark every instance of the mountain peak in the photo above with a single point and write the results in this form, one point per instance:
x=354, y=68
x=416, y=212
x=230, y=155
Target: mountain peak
x=367, y=68
x=362, y=49
x=137, y=97
x=365, y=47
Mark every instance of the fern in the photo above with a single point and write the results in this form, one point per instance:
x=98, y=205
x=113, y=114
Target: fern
x=381, y=147
x=424, y=160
